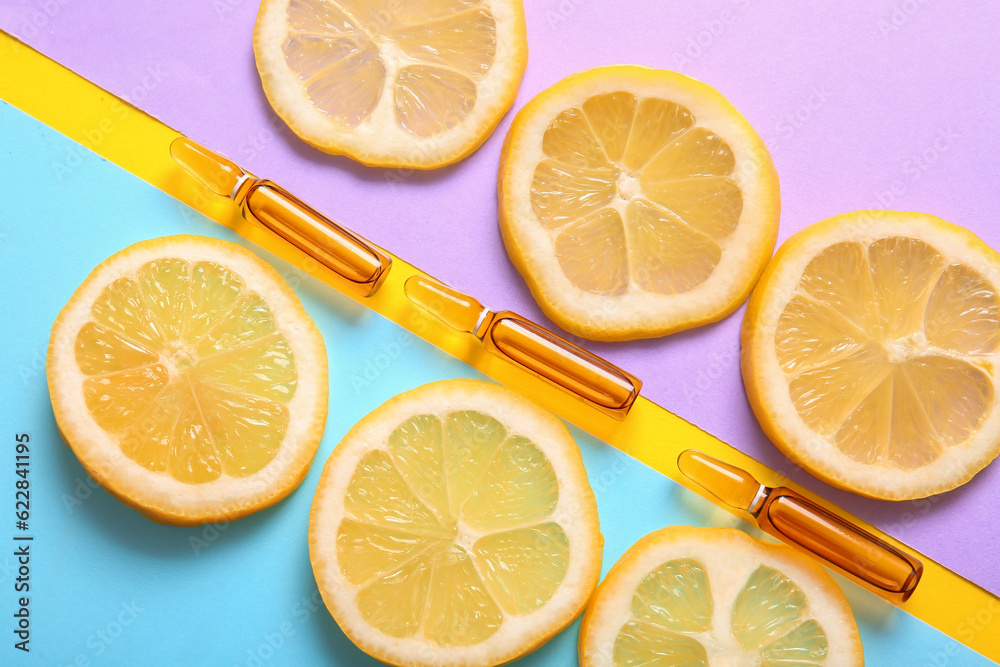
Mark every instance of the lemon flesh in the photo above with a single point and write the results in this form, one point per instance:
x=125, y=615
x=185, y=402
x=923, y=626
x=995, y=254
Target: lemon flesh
x=876, y=344
x=635, y=195
x=675, y=601
x=440, y=529
x=636, y=202
x=870, y=352
x=426, y=55
x=419, y=83
x=184, y=366
x=693, y=597
x=188, y=380
x=454, y=526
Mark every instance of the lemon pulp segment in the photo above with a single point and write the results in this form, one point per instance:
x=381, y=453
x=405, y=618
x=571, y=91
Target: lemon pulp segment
x=770, y=619
x=185, y=367
x=635, y=195
x=693, y=597
x=426, y=56
x=883, y=345
x=447, y=529
x=673, y=606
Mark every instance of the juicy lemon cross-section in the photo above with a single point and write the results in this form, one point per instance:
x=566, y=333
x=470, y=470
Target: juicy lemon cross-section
x=871, y=350
x=502, y=487
x=183, y=352
x=458, y=531
x=596, y=188
x=418, y=83
x=186, y=367
x=695, y=597
x=636, y=202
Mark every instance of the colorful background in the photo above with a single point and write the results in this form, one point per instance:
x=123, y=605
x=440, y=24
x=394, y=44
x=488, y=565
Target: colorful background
x=884, y=104
x=864, y=104
x=109, y=587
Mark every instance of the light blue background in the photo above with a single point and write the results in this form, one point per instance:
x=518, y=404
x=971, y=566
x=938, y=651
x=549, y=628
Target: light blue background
x=109, y=587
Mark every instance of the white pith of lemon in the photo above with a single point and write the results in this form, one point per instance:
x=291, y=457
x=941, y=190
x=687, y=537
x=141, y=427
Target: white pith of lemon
x=188, y=380
x=454, y=525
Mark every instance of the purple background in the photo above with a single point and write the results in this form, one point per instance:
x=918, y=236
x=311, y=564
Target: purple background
x=864, y=104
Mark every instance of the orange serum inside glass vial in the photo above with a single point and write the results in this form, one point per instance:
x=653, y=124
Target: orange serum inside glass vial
x=805, y=525
x=358, y=262
x=510, y=336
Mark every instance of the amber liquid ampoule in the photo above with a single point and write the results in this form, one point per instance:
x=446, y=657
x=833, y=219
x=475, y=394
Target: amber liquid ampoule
x=796, y=520
x=358, y=262
x=512, y=337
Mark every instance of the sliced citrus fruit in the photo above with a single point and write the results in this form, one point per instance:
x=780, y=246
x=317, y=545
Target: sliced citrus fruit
x=454, y=525
x=870, y=352
x=420, y=83
x=693, y=597
x=188, y=380
x=636, y=202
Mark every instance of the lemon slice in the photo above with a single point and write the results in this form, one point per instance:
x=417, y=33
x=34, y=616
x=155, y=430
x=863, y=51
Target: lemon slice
x=870, y=353
x=636, y=202
x=693, y=597
x=188, y=380
x=392, y=83
x=454, y=525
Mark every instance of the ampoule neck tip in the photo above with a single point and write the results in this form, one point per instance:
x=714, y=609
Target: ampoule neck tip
x=732, y=485
x=459, y=311
x=214, y=171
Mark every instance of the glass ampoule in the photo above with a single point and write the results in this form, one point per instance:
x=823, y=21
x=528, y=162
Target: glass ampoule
x=854, y=552
x=512, y=337
x=362, y=266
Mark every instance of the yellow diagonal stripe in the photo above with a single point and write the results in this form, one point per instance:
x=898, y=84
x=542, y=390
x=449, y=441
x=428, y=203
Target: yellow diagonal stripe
x=139, y=143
